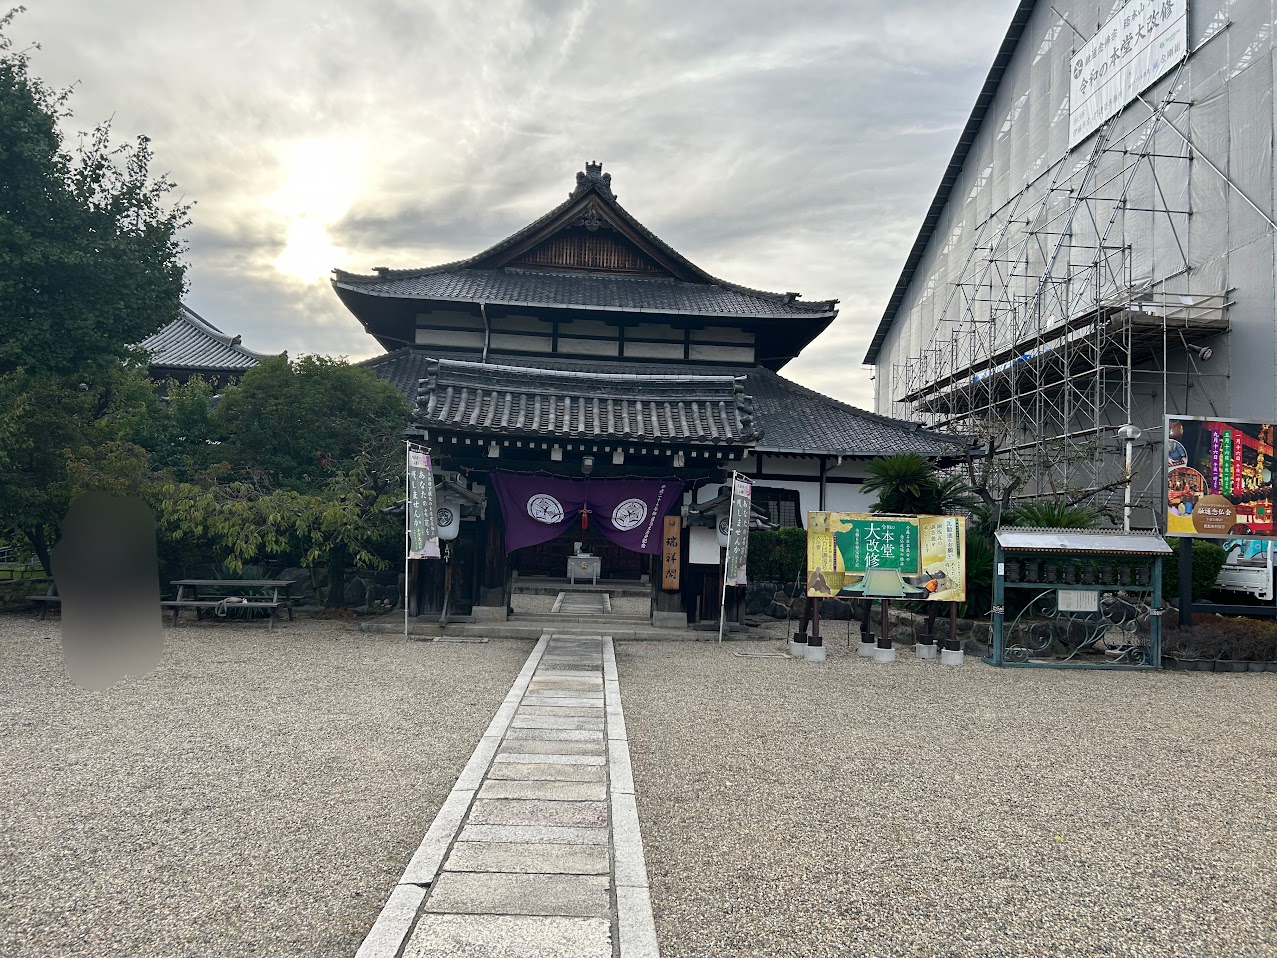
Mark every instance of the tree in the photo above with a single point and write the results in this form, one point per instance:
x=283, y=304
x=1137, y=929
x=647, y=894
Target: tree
x=344, y=521
x=90, y=258
x=314, y=454
x=90, y=263
x=300, y=421
x=60, y=437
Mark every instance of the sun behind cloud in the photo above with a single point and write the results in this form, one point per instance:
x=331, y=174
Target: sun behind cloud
x=321, y=181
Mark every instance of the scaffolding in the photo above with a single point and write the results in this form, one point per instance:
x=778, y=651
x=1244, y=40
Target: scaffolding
x=1076, y=312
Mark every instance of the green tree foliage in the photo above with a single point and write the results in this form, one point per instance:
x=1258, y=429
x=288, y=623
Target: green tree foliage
x=299, y=421
x=90, y=259
x=342, y=522
x=310, y=456
x=59, y=436
x=908, y=483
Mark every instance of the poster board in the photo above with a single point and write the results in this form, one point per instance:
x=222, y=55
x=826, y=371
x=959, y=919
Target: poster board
x=1219, y=481
x=929, y=552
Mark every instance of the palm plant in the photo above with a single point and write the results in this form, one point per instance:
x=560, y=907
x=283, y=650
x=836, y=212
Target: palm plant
x=1047, y=514
x=908, y=483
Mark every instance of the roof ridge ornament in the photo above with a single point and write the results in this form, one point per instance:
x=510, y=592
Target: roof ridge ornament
x=593, y=176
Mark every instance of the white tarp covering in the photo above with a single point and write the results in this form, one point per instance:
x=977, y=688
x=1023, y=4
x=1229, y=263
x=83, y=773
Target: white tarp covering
x=1136, y=47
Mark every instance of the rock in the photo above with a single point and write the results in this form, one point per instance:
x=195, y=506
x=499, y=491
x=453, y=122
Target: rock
x=778, y=610
x=356, y=592
x=835, y=609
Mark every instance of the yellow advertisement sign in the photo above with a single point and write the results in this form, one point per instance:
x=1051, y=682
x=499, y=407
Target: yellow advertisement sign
x=928, y=552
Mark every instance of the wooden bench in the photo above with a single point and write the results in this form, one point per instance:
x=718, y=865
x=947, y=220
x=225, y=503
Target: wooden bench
x=221, y=605
x=188, y=597
x=50, y=600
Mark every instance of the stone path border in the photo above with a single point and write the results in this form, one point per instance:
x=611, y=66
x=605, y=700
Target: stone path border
x=522, y=855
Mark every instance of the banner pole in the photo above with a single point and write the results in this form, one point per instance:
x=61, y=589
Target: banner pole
x=407, y=533
x=722, y=605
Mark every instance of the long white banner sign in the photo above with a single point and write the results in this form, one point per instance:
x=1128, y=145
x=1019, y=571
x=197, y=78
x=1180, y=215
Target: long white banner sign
x=1132, y=51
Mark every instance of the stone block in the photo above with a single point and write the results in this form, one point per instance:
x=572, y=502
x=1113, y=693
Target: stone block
x=548, y=773
x=536, y=834
x=547, y=791
x=503, y=811
x=516, y=857
x=669, y=620
x=509, y=936
x=532, y=746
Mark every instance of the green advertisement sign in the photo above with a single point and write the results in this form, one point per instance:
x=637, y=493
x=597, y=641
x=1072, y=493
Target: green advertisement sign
x=880, y=544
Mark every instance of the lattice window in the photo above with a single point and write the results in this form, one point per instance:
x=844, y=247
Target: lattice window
x=782, y=505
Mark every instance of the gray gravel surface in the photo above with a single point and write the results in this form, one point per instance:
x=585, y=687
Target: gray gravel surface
x=259, y=794
x=791, y=809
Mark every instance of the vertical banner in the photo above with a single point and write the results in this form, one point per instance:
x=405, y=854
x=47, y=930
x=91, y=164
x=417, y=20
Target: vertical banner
x=671, y=553
x=737, y=542
x=423, y=529
x=738, y=530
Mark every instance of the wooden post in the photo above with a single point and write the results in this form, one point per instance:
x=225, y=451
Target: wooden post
x=1185, y=581
x=953, y=645
x=798, y=644
x=492, y=584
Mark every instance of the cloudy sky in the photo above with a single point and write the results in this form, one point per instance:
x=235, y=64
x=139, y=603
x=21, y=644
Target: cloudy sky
x=781, y=146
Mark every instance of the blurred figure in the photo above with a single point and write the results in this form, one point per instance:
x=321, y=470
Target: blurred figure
x=107, y=571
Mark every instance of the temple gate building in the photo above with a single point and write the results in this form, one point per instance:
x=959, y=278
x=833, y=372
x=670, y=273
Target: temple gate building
x=581, y=379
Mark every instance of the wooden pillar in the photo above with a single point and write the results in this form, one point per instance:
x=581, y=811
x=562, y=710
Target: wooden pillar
x=495, y=575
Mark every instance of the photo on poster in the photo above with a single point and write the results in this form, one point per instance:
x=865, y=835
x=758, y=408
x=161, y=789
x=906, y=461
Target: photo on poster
x=1219, y=481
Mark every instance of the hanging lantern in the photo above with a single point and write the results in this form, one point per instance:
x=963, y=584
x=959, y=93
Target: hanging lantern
x=723, y=529
x=448, y=517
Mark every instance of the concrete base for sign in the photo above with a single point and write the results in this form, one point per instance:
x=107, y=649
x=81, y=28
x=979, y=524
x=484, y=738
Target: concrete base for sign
x=798, y=649
x=951, y=657
x=925, y=651
x=815, y=653
x=884, y=656
x=867, y=649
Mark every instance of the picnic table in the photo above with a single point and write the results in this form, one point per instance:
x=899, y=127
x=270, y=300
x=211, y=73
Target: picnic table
x=49, y=600
x=222, y=594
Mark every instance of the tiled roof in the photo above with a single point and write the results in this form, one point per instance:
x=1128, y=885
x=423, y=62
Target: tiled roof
x=793, y=419
x=192, y=342
x=593, y=190
x=523, y=401
x=525, y=287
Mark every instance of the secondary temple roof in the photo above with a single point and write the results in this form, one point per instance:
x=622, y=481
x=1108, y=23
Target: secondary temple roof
x=786, y=418
x=523, y=401
x=192, y=345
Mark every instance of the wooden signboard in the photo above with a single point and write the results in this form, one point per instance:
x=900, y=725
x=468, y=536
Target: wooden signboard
x=671, y=553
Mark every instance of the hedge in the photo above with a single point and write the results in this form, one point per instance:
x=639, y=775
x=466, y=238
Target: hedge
x=1208, y=559
x=777, y=555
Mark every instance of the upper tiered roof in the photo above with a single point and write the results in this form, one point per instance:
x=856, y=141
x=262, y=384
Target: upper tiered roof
x=588, y=254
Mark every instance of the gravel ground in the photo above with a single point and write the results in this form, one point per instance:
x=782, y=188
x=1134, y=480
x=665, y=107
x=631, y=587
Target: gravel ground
x=258, y=794
x=858, y=809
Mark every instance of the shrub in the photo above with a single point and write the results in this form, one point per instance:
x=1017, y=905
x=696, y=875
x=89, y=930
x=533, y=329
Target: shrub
x=777, y=555
x=1208, y=559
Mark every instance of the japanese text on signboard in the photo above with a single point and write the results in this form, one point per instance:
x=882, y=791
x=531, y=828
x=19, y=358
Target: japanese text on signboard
x=1136, y=47
x=671, y=551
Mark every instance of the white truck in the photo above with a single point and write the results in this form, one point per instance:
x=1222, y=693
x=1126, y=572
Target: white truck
x=1249, y=567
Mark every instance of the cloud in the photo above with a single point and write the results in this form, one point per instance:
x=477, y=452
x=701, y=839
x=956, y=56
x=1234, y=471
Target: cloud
x=780, y=147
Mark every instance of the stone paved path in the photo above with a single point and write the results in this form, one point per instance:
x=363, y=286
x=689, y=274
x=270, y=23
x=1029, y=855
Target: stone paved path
x=582, y=603
x=537, y=851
